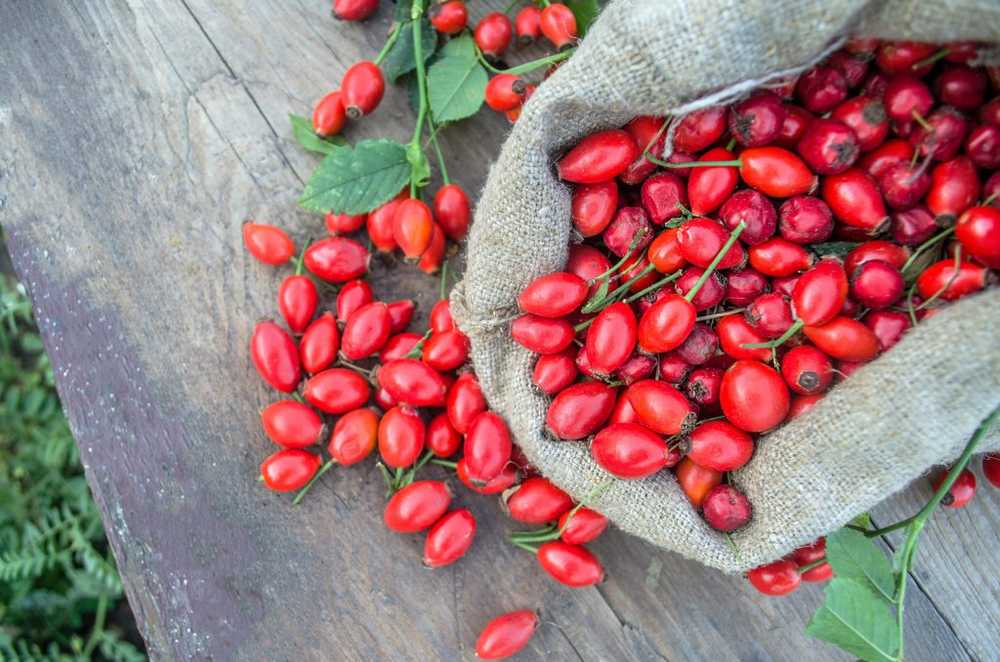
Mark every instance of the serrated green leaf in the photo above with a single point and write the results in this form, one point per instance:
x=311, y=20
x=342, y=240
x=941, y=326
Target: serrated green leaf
x=456, y=83
x=586, y=12
x=403, y=9
x=855, y=556
x=413, y=93
x=919, y=265
x=355, y=181
x=399, y=60
x=302, y=129
x=855, y=619
x=834, y=248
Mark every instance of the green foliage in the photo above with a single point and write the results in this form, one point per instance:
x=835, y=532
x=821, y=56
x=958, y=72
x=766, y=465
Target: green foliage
x=355, y=181
x=585, y=12
x=399, y=60
x=57, y=578
x=302, y=129
x=456, y=82
x=856, y=619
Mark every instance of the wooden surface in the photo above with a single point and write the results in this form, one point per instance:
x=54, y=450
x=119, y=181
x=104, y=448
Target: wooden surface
x=135, y=138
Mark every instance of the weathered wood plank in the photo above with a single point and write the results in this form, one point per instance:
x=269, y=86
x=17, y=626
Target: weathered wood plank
x=125, y=222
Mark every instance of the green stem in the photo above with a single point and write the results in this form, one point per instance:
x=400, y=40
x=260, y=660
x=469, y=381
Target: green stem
x=319, y=474
x=418, y=55
x=931, y=59
x=301, y=262
x=733, y=236
x=612, y=296
x=731, y=144
x=724, y=313
x=954, y=275
x=812, y=564
x=924, y=246
x=525, y=546
x=874, y=533
x=919, y=119
x=389, y=43
x=736, y=163
x=655, y=286
x=98, y=629
x=418, y=349
x=448, y=464
x=624, y=258
x=437, y=152
x=778, y=342
x=527, y=66
x=919, y=520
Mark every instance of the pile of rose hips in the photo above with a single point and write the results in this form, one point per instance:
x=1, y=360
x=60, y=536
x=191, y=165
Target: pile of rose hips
x=722, y=291
x=418, y=404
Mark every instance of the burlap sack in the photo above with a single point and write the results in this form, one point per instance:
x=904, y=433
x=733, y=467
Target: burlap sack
x=911, y=409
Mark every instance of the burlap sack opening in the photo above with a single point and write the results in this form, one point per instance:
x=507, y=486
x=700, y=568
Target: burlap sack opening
x=911, y=409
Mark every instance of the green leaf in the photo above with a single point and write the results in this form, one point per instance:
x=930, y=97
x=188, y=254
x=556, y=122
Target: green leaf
x=924, y=260
x=399, y=59
x=403, y=9
x=857, y=620
x=855, y=556
x=586, y=12
x=302, y=129
x=456, y=82
x=834, y=248
x=355, y=181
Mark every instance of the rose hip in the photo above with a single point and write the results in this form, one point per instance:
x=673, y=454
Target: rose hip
x=696, y=481
x=753, y=396
x=726, y=509
x=744, y=285
x=542, y=335
x=361, y=88
x=734, y=333
x=703, y=386
x=366, y=331
x=507, y=634
x=417, y=506
x=885, y=156
x=805, y=220
x=319, y=344
x=829, y=146
x=944, y=281
x=413, y=382
x=756, y=121
x=961, y=87
x=558, y=24
x=581, y=526
x=401, y=436
x=267, y=243
x=527, y=24
x=536, y=501
x=354, y=436
x=449, y=17
x=487, y=447
x=446, y=351
x=493, y=34
x=719, y=445
x=337, y=259
x=661, y=407
x=867, y=119
x=982, y=146
x=578, y=411
x=629, y=451
x=779, y=257
x=844, y=339
x=954, y=187
x=820, y=89
x=978, y=230
x=628, y=224
x=888, y=326
x=754, y=210
x=452, y=211
x=778, y=578
x=710, y=295
x=449, y=539
x=960, y=492
x=663, y=194
x=329, y=117
x=291, y=424
x=877, y=284
x=570, y=565
x=289, y=470
x=769, y=314
x=700, y=129
x=598, y=157
x=275, y=356
x=806, y=370
x=593, y=206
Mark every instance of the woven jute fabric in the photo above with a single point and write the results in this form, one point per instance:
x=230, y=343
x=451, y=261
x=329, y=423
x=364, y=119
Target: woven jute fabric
x=911, y=409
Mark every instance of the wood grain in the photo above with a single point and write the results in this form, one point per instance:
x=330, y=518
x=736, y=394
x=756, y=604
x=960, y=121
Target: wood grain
x=138, y=138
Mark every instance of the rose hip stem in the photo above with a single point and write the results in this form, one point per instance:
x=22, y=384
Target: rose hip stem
x=527, y=66
x=554, y=532
x=733, y=236
x=322, y=470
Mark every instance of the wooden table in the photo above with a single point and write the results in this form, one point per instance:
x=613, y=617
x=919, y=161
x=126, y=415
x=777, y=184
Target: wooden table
x=136, y=139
